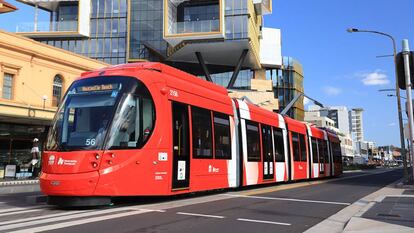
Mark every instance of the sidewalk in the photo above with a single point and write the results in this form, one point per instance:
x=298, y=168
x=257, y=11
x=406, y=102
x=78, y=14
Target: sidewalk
x=389, y=209
x=18, y=182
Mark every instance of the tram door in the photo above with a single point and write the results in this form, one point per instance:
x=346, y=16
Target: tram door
x=268, y=159
x=181, y=146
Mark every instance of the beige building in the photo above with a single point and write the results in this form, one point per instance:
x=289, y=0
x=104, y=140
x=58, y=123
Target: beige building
x=314, y=117
x=260, y=94
x=33, y=79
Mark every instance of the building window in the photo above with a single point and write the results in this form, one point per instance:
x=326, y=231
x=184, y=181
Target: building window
x=202, y=136
x=222, y=137
x=253, y=141
x=8, y=86
x=57, y=90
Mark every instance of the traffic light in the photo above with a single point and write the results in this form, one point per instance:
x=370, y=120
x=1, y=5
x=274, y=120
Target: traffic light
x=401, y=71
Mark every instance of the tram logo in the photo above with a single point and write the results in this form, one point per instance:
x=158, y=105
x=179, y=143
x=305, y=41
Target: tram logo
x=51, y=160
x=212, y=169
x=66, y=162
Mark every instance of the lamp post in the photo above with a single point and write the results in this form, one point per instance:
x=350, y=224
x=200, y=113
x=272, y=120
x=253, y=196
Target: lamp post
x=397, y=93
x=44, y=98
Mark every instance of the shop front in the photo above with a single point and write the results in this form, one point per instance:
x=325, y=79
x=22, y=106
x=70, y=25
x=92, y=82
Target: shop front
x=16, y=142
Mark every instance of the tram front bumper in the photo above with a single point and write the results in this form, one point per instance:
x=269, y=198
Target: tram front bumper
x=81, y=184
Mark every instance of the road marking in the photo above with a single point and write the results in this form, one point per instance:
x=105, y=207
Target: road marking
x=20, y=208
x=73, y=216
x=261, y=221
x=41, y=217
x=149, y=210
x=200, y=215
x=290, y=199
x=19, y=212
x=80, y=222
x=282, y=186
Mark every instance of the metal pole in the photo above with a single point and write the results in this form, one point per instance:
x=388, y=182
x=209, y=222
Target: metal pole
x=397, y=93
x=35, y=18
x=406, y=53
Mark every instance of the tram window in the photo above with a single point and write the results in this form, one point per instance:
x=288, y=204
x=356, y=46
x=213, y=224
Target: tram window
x=125, y=125
x=267, y=142
x=222, y=137
x=321, y=151
x=279, y=145
x=202, y=138
x=337, y=152
x=315, y=150
x=253, y=141
x=325, y=151
x=302, y=147
x=295, y=145
x=147, y=118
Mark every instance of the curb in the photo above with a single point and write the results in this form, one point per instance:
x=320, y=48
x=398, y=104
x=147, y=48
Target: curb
x=18, y=182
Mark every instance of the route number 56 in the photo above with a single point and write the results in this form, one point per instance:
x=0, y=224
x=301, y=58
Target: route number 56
x=90, y=142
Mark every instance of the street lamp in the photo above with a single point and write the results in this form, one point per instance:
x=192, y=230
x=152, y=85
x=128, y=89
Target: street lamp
x=397, y=93
x=44, y=98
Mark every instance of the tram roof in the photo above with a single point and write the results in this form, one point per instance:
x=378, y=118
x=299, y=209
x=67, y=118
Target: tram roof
x=162, y=68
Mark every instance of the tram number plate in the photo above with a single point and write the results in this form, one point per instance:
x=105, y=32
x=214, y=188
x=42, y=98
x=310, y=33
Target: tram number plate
x=174, y=93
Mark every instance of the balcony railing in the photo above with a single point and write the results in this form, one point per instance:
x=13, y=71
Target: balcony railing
x=56, y=26
x=195, y=26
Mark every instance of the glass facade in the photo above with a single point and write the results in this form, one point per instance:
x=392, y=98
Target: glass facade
x=236, y=16
x=242, y=81
x=288, y=83
x=108, y=30
x=146, y=30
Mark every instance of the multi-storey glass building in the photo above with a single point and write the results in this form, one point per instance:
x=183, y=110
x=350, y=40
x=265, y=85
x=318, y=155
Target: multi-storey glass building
x=288, y=83
x=219, y=40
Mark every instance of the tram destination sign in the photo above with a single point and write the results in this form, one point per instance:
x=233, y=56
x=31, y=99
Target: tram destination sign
x=100, y=87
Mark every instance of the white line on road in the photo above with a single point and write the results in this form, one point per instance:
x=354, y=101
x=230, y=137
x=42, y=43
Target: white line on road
x=200, y=215
x=80, y=222
x=41, y=217
x=73, y=216
x=19, y=212
x=261, y=221
x=20, y=208
x=160, y=211
x=289, y=199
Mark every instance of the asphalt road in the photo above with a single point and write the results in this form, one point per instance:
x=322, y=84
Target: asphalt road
x=282, y=208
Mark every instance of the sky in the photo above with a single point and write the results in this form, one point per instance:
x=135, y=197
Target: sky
x=340, y=68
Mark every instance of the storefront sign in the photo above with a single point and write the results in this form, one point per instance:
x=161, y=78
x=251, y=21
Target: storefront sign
x=10, y=171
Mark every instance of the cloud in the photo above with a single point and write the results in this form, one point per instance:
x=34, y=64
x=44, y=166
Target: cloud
x=375, y=78
x=392, y=124
x=330, y=90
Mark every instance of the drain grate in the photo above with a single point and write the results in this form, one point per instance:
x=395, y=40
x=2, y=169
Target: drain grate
x=389, y=215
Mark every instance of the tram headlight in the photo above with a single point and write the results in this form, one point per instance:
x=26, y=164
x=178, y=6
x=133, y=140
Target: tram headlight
x=94, y=164
x=97, y=156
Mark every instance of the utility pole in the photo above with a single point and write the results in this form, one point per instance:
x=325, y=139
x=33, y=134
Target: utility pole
x=406, y=57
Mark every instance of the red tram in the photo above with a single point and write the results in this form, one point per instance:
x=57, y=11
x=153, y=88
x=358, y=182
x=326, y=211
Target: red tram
x=149, y=129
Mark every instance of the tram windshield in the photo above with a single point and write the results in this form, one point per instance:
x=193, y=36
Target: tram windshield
x=103, y=113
